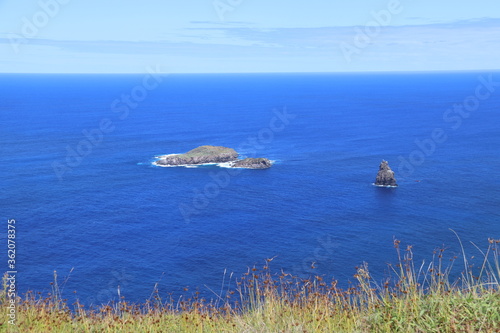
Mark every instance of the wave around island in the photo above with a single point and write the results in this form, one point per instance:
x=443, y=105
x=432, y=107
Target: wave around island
x=387, y=186
x=227, y=165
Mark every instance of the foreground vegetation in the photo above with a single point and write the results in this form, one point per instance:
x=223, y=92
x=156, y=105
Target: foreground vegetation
x=419, y=298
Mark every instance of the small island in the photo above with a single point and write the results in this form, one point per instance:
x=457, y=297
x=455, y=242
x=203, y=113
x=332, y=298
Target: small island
x=212, y=155
x=385, y=176
x=252, y=163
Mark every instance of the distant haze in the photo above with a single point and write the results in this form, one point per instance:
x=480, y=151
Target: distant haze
x=221, y=36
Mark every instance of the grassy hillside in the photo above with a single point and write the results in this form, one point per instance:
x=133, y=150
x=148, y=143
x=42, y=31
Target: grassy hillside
x=418, y=299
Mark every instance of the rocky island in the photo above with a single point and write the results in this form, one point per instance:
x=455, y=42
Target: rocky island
x=252, y=163
x=200, y=155
x=385, y=176
x=212, y=154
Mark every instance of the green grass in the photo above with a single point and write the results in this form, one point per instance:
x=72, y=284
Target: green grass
x=419, y=298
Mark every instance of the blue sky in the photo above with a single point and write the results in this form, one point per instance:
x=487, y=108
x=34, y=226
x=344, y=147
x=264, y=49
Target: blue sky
x=219, y=36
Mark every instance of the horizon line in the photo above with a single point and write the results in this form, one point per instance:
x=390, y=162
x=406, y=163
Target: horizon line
x=278, y=72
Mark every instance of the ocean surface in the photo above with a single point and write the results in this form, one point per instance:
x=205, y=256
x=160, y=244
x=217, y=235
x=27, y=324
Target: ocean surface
x=77, y=176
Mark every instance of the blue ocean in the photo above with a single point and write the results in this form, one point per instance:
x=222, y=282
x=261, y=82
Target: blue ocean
x=77, y=176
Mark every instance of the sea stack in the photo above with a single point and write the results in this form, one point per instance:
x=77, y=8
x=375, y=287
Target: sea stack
x=385, y=176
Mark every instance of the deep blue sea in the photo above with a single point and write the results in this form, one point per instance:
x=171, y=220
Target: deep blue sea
x=76, y=175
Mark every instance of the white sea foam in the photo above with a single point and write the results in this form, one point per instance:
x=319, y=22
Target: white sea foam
x=175, y=166
x=227, y=165
x=155, y=163
x=388, y=186
x=183, y=165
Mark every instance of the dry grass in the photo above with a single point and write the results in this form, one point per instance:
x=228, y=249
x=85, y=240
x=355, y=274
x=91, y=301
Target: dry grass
x=416, y=299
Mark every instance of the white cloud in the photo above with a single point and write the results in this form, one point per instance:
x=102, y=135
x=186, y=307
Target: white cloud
x=471, y=44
